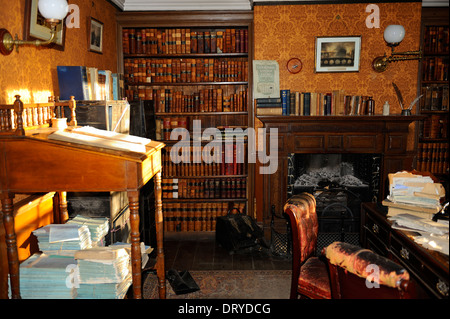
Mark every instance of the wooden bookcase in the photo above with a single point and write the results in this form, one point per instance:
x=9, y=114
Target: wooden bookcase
x=194, y=66
x=433, y=84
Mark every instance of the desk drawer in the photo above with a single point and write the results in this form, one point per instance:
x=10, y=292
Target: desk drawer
x=377, y=230
x=436, y=283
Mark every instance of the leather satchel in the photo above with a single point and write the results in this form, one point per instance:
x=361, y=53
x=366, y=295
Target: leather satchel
x=238, y=231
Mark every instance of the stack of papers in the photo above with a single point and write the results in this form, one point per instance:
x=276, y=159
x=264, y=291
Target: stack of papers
x=413, y=194
x=98, y=227
x=63, y=239
x=105, y=272
x=48, y=277
x=431, y=235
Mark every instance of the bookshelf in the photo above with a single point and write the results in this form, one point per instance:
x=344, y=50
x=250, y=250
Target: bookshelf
x=195, y=67
x=433, y=84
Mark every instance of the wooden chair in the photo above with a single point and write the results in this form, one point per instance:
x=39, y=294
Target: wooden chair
x=309, y=274
x=358, y=273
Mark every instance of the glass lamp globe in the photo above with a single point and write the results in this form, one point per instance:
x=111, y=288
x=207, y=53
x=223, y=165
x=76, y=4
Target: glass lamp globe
x=394, y=33
x=53, y=9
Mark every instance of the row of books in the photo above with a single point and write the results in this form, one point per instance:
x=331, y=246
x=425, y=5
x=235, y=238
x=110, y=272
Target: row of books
x=435, y=69
x=436, y=39
x=184, y=41
x=314, y=103
x=89, y=83
x=435, y=97
x=193, y=163
x=204, y=100
x=196, y=216
x=433, y=157
x=185, y=70
x=435, y=126
x=204, y=188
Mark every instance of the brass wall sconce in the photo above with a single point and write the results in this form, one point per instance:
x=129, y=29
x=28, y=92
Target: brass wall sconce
x=393, y=35
x=52, y=10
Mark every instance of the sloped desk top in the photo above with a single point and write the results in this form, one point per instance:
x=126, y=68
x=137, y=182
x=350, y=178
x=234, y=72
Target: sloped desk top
x=34, y=163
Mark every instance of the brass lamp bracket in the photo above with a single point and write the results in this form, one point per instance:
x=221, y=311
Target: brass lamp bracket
x=7, y=42
x=381, y=63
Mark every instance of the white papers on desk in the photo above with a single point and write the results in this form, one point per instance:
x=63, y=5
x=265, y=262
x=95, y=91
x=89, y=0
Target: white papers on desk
x=101, y=138
x=433, y=235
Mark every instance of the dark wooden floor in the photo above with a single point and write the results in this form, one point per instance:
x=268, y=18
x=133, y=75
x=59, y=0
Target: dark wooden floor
x=199, y=251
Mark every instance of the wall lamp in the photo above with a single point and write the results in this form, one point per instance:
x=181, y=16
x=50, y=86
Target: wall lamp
x=52, y=10
x=393, y=35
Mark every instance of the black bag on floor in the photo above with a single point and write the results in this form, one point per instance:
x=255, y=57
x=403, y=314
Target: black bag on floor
x=181, y=282
x=238, y=231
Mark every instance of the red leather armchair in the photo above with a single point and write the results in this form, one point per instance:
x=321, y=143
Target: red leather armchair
x=309, y=274
x=358, y=273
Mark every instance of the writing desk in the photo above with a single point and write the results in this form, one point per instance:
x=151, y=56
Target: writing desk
x=429, y=268
x=33, y=163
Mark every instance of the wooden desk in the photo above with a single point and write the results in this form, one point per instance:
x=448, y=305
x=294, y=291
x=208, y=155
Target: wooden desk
x=32, y=163
x=429, y=268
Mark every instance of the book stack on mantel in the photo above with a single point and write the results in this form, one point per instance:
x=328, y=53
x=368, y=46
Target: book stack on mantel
x=184, y=41
x=299, y=103
x=196, y=216
x=204, y=100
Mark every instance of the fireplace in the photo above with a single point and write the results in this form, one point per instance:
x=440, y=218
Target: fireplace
x=339, y=183
x=380, y=140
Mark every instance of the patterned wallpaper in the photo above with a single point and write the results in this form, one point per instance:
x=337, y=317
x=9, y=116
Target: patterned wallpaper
x=32, y=72
x=286, y=31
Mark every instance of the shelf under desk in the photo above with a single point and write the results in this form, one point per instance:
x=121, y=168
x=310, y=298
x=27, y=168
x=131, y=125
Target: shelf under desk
x=34, y=163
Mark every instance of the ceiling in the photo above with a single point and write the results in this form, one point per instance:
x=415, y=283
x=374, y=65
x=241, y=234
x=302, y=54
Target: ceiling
x=180, y=5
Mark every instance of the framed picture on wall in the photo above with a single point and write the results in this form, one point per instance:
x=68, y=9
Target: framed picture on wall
x=337, y=54
x=36, y=28
x=96, y=36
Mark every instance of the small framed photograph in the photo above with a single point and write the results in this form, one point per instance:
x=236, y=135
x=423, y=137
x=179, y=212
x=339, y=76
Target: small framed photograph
x=96, y=36
x=36, y=28
x=338, y=54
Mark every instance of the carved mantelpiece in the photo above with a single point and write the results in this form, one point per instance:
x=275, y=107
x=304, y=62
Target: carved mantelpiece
x=384, y=135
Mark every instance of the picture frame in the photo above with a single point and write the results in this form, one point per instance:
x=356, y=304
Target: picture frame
x=95, y=36
x=35, y=27
x=338, y=54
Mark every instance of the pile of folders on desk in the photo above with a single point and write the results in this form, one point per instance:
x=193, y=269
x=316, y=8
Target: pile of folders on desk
x=415, y=204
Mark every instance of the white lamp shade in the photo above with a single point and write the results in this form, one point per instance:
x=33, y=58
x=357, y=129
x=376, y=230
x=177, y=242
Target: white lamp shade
x=394, y=33
x=53, y=9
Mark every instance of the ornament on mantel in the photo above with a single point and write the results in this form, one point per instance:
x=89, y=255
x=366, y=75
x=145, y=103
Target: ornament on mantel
x=405, y=111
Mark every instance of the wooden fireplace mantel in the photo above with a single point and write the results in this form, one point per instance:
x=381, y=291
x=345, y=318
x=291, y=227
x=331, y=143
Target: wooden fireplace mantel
x=384, y=135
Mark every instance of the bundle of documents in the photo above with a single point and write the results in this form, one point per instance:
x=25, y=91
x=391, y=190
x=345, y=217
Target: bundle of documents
x=98, y=227
x=48, y=277
x=103, y=265
x=412, y=202
x=414, y=194
x=105, y=272
x=63, y=239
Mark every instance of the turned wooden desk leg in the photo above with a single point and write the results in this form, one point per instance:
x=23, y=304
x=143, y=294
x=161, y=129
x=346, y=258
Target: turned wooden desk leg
x=11, y=246
x=63, y=213
x=136, y=268
x=160, y=268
